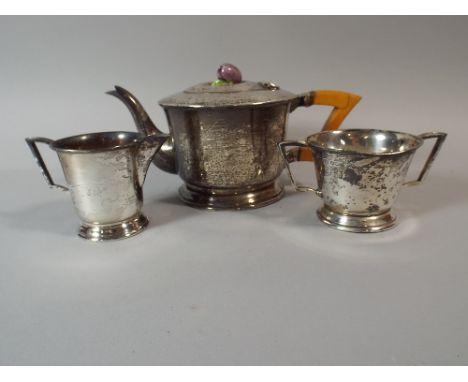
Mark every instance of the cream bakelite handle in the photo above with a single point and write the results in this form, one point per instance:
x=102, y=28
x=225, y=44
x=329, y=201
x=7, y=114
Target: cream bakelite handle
x=342, y=102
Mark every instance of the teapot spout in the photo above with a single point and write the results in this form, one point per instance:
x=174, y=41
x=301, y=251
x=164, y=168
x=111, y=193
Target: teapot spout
x=165, y=158
x=148, y=147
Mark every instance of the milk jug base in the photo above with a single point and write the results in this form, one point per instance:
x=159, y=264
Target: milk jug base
x=120, y=230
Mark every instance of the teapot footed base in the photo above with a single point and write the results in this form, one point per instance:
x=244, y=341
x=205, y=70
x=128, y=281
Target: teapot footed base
x=231, y=199
x=357, y=223
x=121, y=230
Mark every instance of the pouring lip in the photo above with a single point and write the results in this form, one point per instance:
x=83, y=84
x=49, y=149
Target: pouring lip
x=408, y=142
x=97, y=142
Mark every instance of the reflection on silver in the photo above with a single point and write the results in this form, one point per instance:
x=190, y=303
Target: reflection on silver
x=105, y=173
x=359, y=174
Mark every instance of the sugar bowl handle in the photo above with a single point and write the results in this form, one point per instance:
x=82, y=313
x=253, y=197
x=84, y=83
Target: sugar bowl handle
x=38, y=157
x=440, y=138
x=297, y=149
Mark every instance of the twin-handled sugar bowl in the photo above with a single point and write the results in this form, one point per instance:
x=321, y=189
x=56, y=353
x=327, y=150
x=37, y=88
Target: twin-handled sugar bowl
x=105, y=173
x=224, y=138
x=359, y=173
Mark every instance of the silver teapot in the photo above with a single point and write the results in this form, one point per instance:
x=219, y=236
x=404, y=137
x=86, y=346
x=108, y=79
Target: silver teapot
x=223, y=139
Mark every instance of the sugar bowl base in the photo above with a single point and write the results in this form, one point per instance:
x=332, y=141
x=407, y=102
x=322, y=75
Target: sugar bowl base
x=357, y=223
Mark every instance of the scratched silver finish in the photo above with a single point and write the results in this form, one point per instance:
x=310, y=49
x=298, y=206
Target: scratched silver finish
x=360, y=173
x=105, y=173
x=224, y=141
x=229, y=157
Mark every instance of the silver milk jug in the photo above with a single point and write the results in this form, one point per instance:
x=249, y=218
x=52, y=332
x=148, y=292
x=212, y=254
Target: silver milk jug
x=105, y=173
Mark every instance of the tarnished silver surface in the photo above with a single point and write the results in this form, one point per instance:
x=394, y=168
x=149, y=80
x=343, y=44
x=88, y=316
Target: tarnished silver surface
x=228, y=153
x=360, y=173
x=105, y=173
x=223, y=140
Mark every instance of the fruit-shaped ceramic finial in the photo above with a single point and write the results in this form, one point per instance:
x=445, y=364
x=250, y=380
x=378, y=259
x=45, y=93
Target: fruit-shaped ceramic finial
x=228, y=74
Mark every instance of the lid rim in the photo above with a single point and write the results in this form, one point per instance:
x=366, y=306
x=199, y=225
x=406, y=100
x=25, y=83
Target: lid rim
x=246, y=93
x=227, y=106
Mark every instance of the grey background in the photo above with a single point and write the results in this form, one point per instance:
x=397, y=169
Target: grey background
x=270, y=286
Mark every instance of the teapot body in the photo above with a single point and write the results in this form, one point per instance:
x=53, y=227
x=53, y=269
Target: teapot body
x=226, y=155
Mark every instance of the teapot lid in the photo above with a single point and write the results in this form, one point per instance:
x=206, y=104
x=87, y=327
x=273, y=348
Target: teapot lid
x=229, y=90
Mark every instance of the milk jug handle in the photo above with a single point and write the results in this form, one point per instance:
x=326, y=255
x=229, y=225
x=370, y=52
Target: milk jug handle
x=38, y=157
x=440, y=138
x=293, y=155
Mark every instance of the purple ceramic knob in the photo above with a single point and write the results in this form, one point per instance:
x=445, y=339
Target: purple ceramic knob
x=229, y=72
